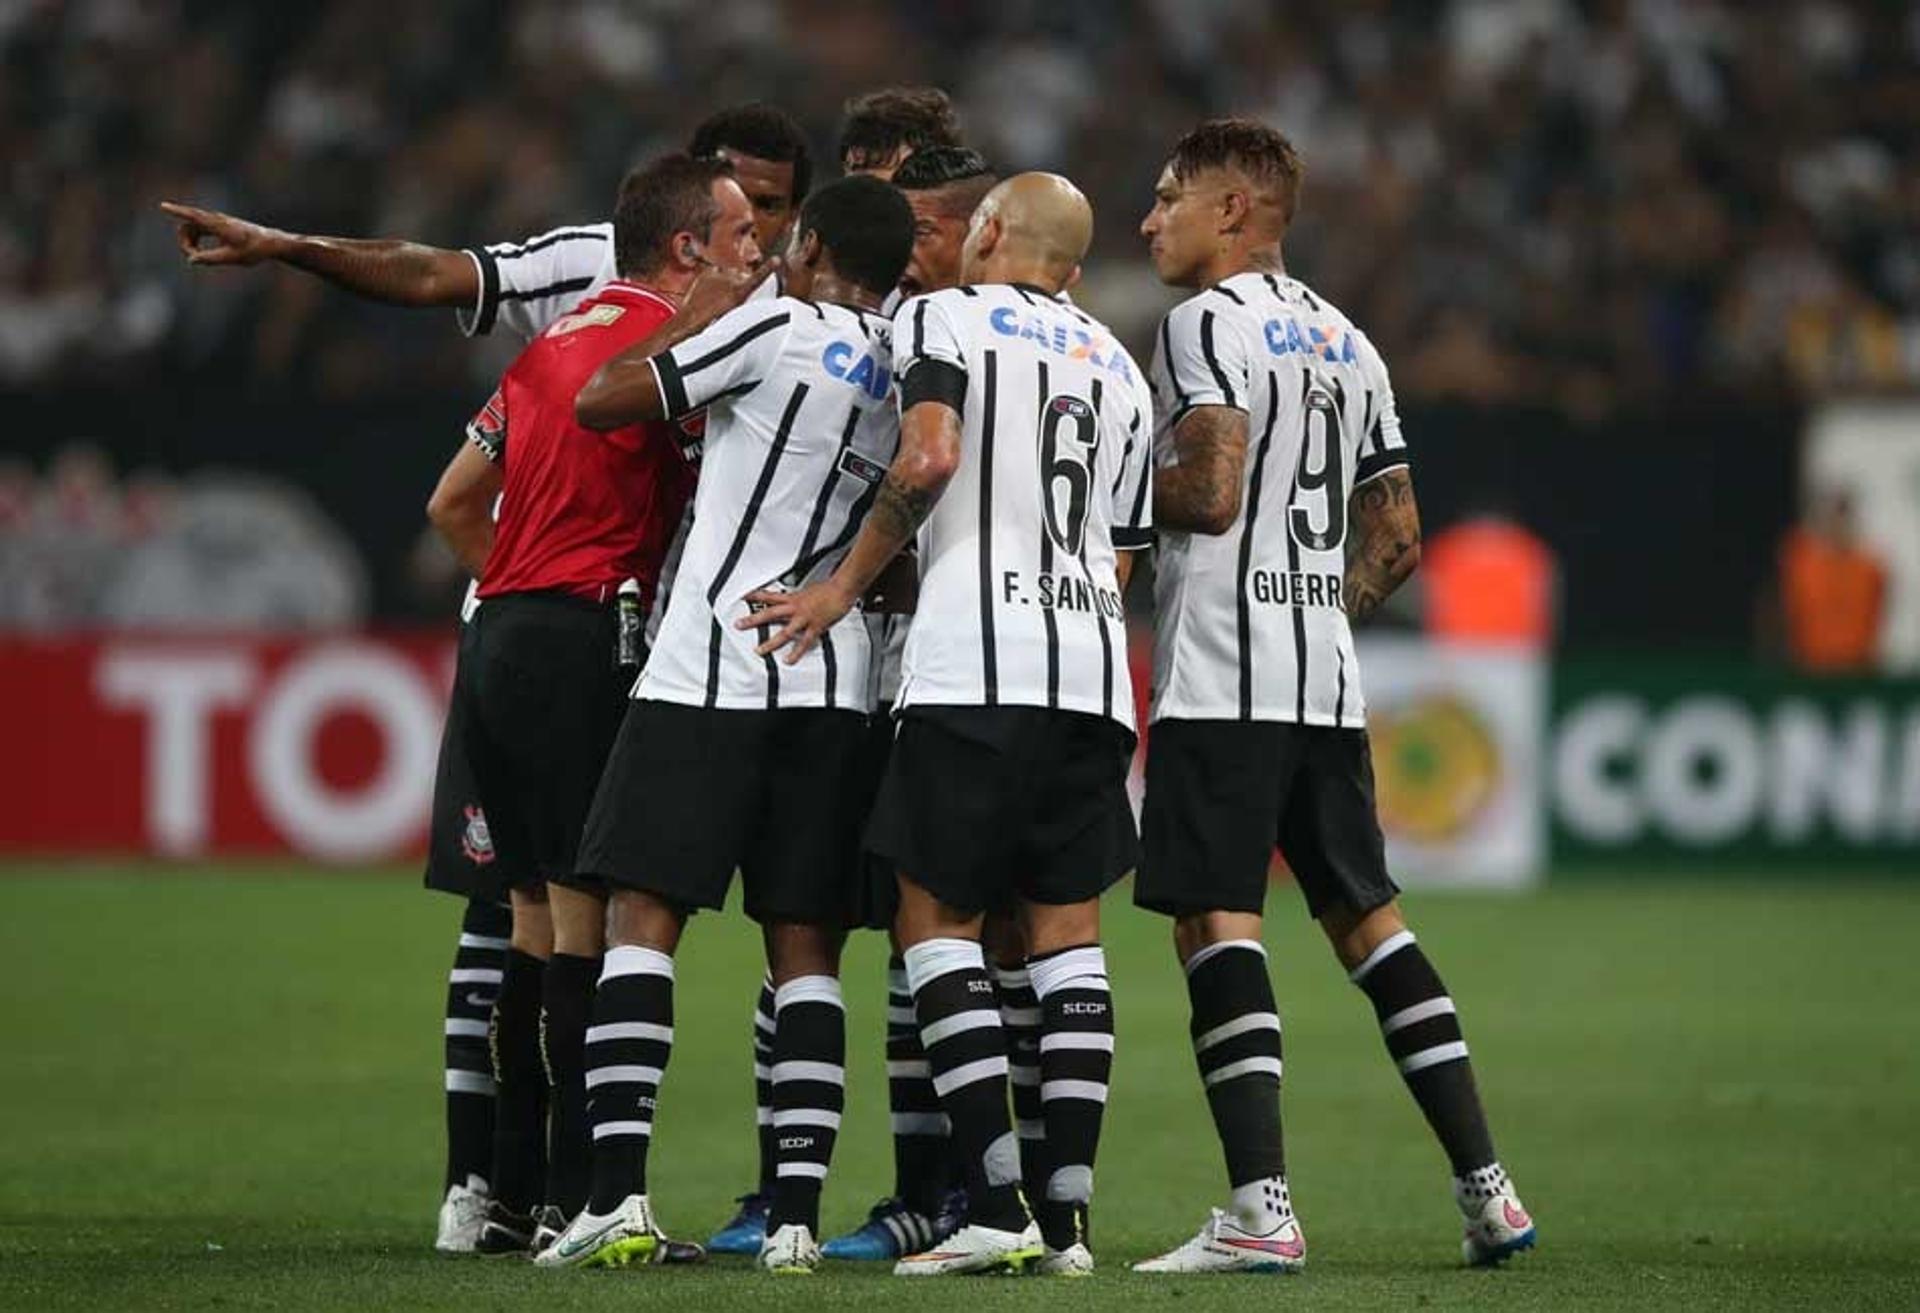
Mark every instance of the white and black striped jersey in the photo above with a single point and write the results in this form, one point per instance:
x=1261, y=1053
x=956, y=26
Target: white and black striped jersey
x=800, y=430
x=526, y=285
x=1019, y=604
x=1250, y=624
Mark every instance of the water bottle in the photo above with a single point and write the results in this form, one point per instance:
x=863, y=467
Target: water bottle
x=630, y=643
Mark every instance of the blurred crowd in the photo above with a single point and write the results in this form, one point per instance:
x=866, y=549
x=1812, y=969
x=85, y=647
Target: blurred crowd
x=83, y=548
x=1586, y=204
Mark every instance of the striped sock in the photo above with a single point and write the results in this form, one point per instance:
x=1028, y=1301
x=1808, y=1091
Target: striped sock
x=960, y=1028
x=1076, y=1064
x=919, y=1127
x=1020, y=1022
x=520, y=1079
x=1236, y=1042
x=763, y=1024
x=809, y=1092
x=472, y=986
x=1422, y=1031
x=627, y=1049
x=563, y=1044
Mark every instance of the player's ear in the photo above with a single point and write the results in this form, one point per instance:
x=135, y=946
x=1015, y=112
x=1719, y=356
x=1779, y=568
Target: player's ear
x=1235, y=205
x=1073, y=279
x=810, y=247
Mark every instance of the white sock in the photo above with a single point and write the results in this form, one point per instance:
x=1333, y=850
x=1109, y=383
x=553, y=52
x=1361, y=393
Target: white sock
x=1261, y=1205
x=1473, y=1190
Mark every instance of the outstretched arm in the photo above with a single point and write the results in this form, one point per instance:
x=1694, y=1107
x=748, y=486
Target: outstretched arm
x=1383, y=543
x=397, y=272
x=929, y=454
x=1200, y=492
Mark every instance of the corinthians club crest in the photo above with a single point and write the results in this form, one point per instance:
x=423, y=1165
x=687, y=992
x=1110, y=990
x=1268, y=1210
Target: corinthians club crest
x=476, y=841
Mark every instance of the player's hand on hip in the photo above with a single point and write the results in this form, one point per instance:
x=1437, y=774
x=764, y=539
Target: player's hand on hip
x=797, y=619
x=210, y=237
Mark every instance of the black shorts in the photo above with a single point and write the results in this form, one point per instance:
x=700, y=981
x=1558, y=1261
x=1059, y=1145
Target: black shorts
x=692, y=793
x=981, y=805
x=879, y=891
x=536, y=703
x=1222, y=794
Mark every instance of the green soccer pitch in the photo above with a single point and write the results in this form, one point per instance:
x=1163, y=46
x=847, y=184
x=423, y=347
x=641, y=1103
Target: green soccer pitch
x=222, y=1089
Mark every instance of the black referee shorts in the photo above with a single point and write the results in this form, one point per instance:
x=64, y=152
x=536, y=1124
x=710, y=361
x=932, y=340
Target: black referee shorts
x=981, y=805
x=536, y=703
x=1222, y=794
x=691, y=794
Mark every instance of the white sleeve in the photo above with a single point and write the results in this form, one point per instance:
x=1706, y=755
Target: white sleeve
x=1381, y=446
x=1202, y=357
x=524, y=286
x=1132, y=492
x=924, y=339
x=726, y=358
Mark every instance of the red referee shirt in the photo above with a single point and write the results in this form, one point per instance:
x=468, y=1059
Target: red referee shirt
x=580, y=512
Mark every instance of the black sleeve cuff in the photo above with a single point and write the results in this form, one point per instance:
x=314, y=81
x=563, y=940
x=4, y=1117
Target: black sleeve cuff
x=478, y=322
x=673, y=387
x=935, y=380
x=1131, y=540
x=1373, y=466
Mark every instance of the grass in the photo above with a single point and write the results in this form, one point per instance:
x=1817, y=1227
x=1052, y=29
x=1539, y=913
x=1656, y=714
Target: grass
x=221, y=1090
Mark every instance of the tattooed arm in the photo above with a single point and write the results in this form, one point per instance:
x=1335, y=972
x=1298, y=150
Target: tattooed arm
x=1383, y=544
x=1200, y=493
x=929, y=454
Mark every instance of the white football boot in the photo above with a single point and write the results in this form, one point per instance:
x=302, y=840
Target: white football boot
x=1497, y=1229
x=1076, y=1260
x=1224, y=1245
x=790, y=1251
x=462, y=1213
x=975, y=1248
x=625, y=1236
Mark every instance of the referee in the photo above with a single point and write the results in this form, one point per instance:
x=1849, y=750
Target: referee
x=545, y=664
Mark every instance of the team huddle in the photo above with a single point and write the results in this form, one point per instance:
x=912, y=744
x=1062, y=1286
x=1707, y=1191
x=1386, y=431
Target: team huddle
x=800, y=532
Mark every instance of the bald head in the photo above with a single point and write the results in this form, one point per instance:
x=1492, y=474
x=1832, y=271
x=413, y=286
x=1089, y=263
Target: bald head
x=1032, y=228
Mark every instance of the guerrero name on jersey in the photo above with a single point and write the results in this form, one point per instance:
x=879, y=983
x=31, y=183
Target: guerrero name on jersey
x=1249, y=624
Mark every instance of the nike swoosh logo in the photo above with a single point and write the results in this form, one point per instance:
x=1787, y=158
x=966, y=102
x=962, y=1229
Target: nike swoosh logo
x=480, y=1001
x=583, y=1243
x=1516, y=1217
x=1295, y=1248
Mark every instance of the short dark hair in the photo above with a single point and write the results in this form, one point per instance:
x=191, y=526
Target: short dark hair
x=879, y=123
x=1257, y=150
x=763, y=131
x=941, y=166
x=866, y=226
x=670, y=194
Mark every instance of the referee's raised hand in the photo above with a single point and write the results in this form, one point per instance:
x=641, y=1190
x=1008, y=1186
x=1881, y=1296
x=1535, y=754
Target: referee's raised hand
x=212, y=238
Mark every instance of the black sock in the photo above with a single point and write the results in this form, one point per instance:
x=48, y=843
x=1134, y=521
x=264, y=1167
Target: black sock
x=1020, y=1023
x=763, y=1027
x=1423, y=1035
x=628, y=1044
x=1236, y=1042
x=960, y=1029
x=809, y=1092
x=920, y=1159
x=563, y=1043
x=1076, y=1065
x=520, y=1116
x=472, y=987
